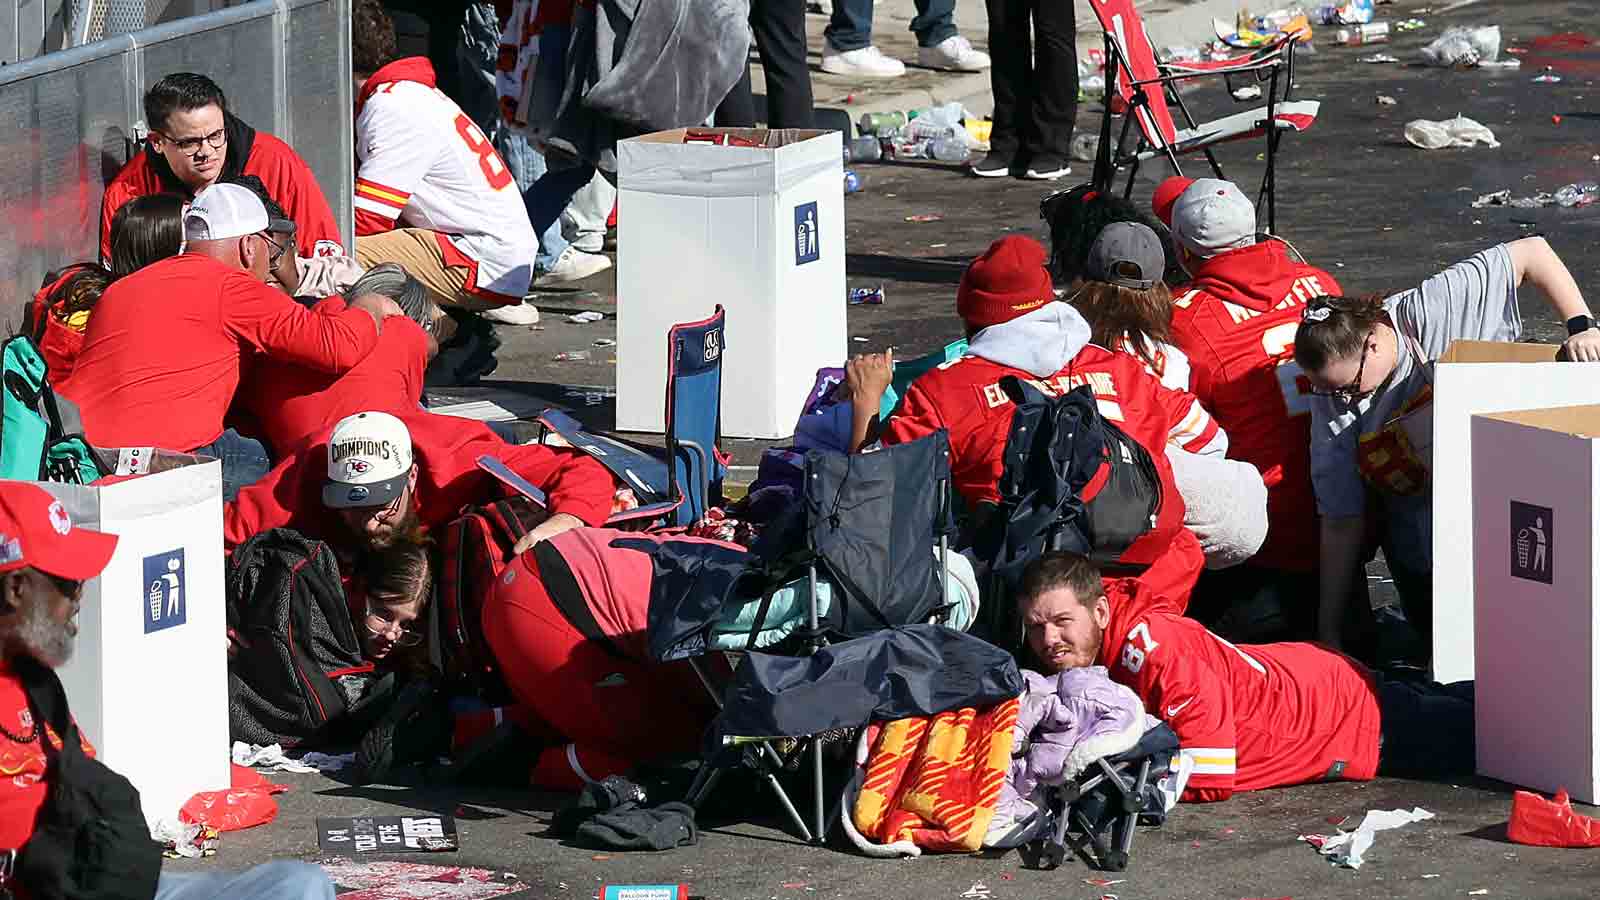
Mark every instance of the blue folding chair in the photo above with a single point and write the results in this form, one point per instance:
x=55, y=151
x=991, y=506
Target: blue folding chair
x=679, y=485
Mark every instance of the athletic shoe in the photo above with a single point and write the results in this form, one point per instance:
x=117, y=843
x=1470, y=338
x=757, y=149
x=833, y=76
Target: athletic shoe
x=868, y=62
x=574, y=265
x=993, y=165
x=1047, y=168
x=953, y=54
x=523, y=313
x=415, y=729
x=467, y=355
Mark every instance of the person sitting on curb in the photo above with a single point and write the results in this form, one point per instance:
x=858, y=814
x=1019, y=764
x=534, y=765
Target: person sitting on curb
x=1235, y=324
x=46, y=562
x=1369, y=362
x=1248, y=716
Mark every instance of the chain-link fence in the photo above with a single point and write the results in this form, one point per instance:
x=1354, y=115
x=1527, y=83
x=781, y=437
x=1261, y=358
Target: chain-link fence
x=69, y=120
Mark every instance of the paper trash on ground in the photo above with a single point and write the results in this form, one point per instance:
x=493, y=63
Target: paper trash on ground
x=1347, y=848
x=270, y=758
x=415, y=881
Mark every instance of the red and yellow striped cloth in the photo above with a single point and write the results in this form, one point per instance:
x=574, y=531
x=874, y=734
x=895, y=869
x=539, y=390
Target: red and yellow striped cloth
x=935, y=781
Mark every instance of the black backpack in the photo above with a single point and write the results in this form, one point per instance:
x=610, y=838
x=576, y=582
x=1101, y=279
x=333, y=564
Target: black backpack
x=1056, y=447
x=90, y=840
x=300, y=677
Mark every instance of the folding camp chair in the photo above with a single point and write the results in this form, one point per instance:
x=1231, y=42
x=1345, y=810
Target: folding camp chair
x=683, y=481
x=865, y=522
x=1147, y=87
x=1097, y=813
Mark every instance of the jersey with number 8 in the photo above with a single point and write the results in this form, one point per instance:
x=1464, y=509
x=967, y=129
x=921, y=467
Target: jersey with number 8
x=422, y=163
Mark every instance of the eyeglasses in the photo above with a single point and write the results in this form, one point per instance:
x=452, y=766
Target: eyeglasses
x=216, y=140
x=1349, y=393
x=70, y=589
x=277, y=250
x=379, y=623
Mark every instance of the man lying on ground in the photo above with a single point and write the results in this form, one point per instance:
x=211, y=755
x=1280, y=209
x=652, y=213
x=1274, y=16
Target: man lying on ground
x=41, y=584
x=1249, y=716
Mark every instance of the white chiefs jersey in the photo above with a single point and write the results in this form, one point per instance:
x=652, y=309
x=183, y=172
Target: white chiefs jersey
x=422, y=162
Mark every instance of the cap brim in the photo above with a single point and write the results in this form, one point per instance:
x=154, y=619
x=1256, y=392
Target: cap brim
x=343, y=495
x=79, y=556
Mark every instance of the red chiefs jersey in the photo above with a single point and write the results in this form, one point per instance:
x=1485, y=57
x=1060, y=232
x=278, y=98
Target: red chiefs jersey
x=1249, y=716
x=285, y=175
x=965, y=398
x=1236, y=322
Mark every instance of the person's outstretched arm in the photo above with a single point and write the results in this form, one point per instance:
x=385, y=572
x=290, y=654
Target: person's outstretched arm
x=1536, y=262
x=1341, y=564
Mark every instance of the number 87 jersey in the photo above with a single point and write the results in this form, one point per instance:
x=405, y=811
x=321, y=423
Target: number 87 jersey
x=422, y=163
x=1250, y=716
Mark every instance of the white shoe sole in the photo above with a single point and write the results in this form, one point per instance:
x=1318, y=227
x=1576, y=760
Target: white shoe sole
x=947, y=65
x=588, y=265
x=834, y=66
x=1048, y=176
x=991, y=173
x=519, y=314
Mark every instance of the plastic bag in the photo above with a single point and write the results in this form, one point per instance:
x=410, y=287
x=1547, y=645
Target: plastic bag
x=245, y=805
x=1466, y=47
x=1458, y=132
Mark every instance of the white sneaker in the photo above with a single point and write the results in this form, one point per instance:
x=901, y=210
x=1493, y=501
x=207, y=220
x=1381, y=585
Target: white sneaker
x=523, y=313
x=868, y=62
x=574, y=265
x=954, y=54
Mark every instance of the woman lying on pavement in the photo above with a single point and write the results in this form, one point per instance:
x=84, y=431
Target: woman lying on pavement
x=1370, y=362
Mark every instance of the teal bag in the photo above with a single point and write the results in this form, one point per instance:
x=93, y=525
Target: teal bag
x=910, y=370
x=34, y=442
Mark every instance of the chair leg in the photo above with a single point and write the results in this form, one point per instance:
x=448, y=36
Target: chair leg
x=820, y=816
x=788, y=807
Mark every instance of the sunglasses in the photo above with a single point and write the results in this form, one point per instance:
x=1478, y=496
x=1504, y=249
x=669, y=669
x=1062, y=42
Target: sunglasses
x=1351, y=392
x=72, y=590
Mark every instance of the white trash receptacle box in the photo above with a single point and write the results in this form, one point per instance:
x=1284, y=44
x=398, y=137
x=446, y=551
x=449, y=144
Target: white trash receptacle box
x=148, y=679
x=1479, y=377
x=1536, y=526
x=758, y=229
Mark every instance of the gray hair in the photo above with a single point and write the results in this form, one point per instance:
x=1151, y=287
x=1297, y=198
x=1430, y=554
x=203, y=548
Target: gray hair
x=393, y=281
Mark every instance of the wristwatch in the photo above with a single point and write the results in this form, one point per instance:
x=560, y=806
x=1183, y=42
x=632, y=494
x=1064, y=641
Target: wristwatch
x=1579, y=324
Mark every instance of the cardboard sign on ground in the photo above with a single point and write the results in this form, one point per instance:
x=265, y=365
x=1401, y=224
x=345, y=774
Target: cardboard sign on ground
x=387, y=834
x=1535, y=521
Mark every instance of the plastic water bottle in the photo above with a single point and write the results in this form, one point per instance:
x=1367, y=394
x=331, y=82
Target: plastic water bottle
x=852, y=181
x=949, y=150
x=1092, y=87
x=880, y=124
x=1578, y=194
x=1358, y=35
x=865, y=148
x=1084, y=147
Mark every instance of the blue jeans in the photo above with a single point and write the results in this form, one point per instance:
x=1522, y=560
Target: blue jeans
x=552, y=193
x=552, y=243
x=281, y=880
x=245, y=461
x=850, y=27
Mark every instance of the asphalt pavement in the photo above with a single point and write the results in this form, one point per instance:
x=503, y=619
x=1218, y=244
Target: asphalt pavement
x=1355, y=199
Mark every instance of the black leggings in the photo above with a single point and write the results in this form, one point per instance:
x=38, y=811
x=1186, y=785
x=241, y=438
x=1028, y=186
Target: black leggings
x=1428, y=728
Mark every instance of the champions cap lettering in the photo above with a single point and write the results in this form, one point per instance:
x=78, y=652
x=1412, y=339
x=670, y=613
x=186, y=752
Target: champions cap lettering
x=369, y=461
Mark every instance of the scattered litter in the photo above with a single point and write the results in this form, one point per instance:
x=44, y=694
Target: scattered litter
x=1229, y=830
x=1103, y=882
x=246, y=803
x=584, y=318
x=1478, y=893
x=600, y=857
x=978, y=891
x=1386, y=100
x=1337, y=820
x=1346, y=848
x=189, y=840
x=925, y=217
x=1378, y=58
x=793, y=885
x=1461, y=131
x=1556, y=118
x=1431, y=875
x=1248, y=92
x=1464, y=47
x=1361, y=35
x=1006, y=876
x=1496, y=198
x=605, y=342
x=1109, y=897
x=872, y=296
x=1570, y=195
x=859, y=340
x=1353, y=12
x=1409, y=25
x=379, y=880
x=1548, y=76
x=358, y=835
x=269, y=758
x=937, y=246
x=571, y=356
x=1539, y=822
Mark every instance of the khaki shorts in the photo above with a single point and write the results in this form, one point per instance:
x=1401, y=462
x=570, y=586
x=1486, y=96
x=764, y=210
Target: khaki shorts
x=417, y=251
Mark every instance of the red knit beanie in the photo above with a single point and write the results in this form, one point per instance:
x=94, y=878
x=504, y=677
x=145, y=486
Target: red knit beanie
x=1007, y=281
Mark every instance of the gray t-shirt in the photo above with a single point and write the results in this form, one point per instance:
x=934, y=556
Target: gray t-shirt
x=1473, y=300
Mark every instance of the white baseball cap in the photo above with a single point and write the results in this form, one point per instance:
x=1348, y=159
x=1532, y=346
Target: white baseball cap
x=369, y=461
x=1213, y=216
x=224, y=211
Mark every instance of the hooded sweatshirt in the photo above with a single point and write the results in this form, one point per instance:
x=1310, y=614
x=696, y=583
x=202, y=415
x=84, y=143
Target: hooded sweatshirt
x=1236, y=322
x=250, y=152
x=1049, y=348
x=422, y=163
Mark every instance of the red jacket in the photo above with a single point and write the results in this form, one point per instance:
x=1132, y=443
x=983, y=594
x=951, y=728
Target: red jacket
x=1236, y=322
x=286, y=176
x=161, y=356
x=965, y=398
x=446, y=450
x=286, y=405
x=1250, y=716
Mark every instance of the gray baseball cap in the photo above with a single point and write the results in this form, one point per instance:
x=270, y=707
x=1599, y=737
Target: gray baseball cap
x=1127, y=254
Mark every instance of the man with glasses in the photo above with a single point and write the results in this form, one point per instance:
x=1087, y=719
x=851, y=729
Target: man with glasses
x=1236, y=321
x=161, y=359
x=194, y=142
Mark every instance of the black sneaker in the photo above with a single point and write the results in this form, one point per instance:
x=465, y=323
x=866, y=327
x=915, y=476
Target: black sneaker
x=415, y=729
x=1047, y=168
x=993, y=165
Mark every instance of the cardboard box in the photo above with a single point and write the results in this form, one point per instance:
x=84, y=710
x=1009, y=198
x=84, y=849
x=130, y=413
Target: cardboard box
x=757, y=229
x=1536, y=524
x=1480, y=377
x=148, y=680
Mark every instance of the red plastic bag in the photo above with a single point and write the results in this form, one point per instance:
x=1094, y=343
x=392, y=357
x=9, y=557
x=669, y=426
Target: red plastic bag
x=1550, y=823
x=245, y=805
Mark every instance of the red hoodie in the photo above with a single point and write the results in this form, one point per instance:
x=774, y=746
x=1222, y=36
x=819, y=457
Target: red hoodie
x=1236, y=322
x=1250, y=716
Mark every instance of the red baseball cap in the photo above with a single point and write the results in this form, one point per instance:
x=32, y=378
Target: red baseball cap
x=1167, y=193
x=36, y=532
